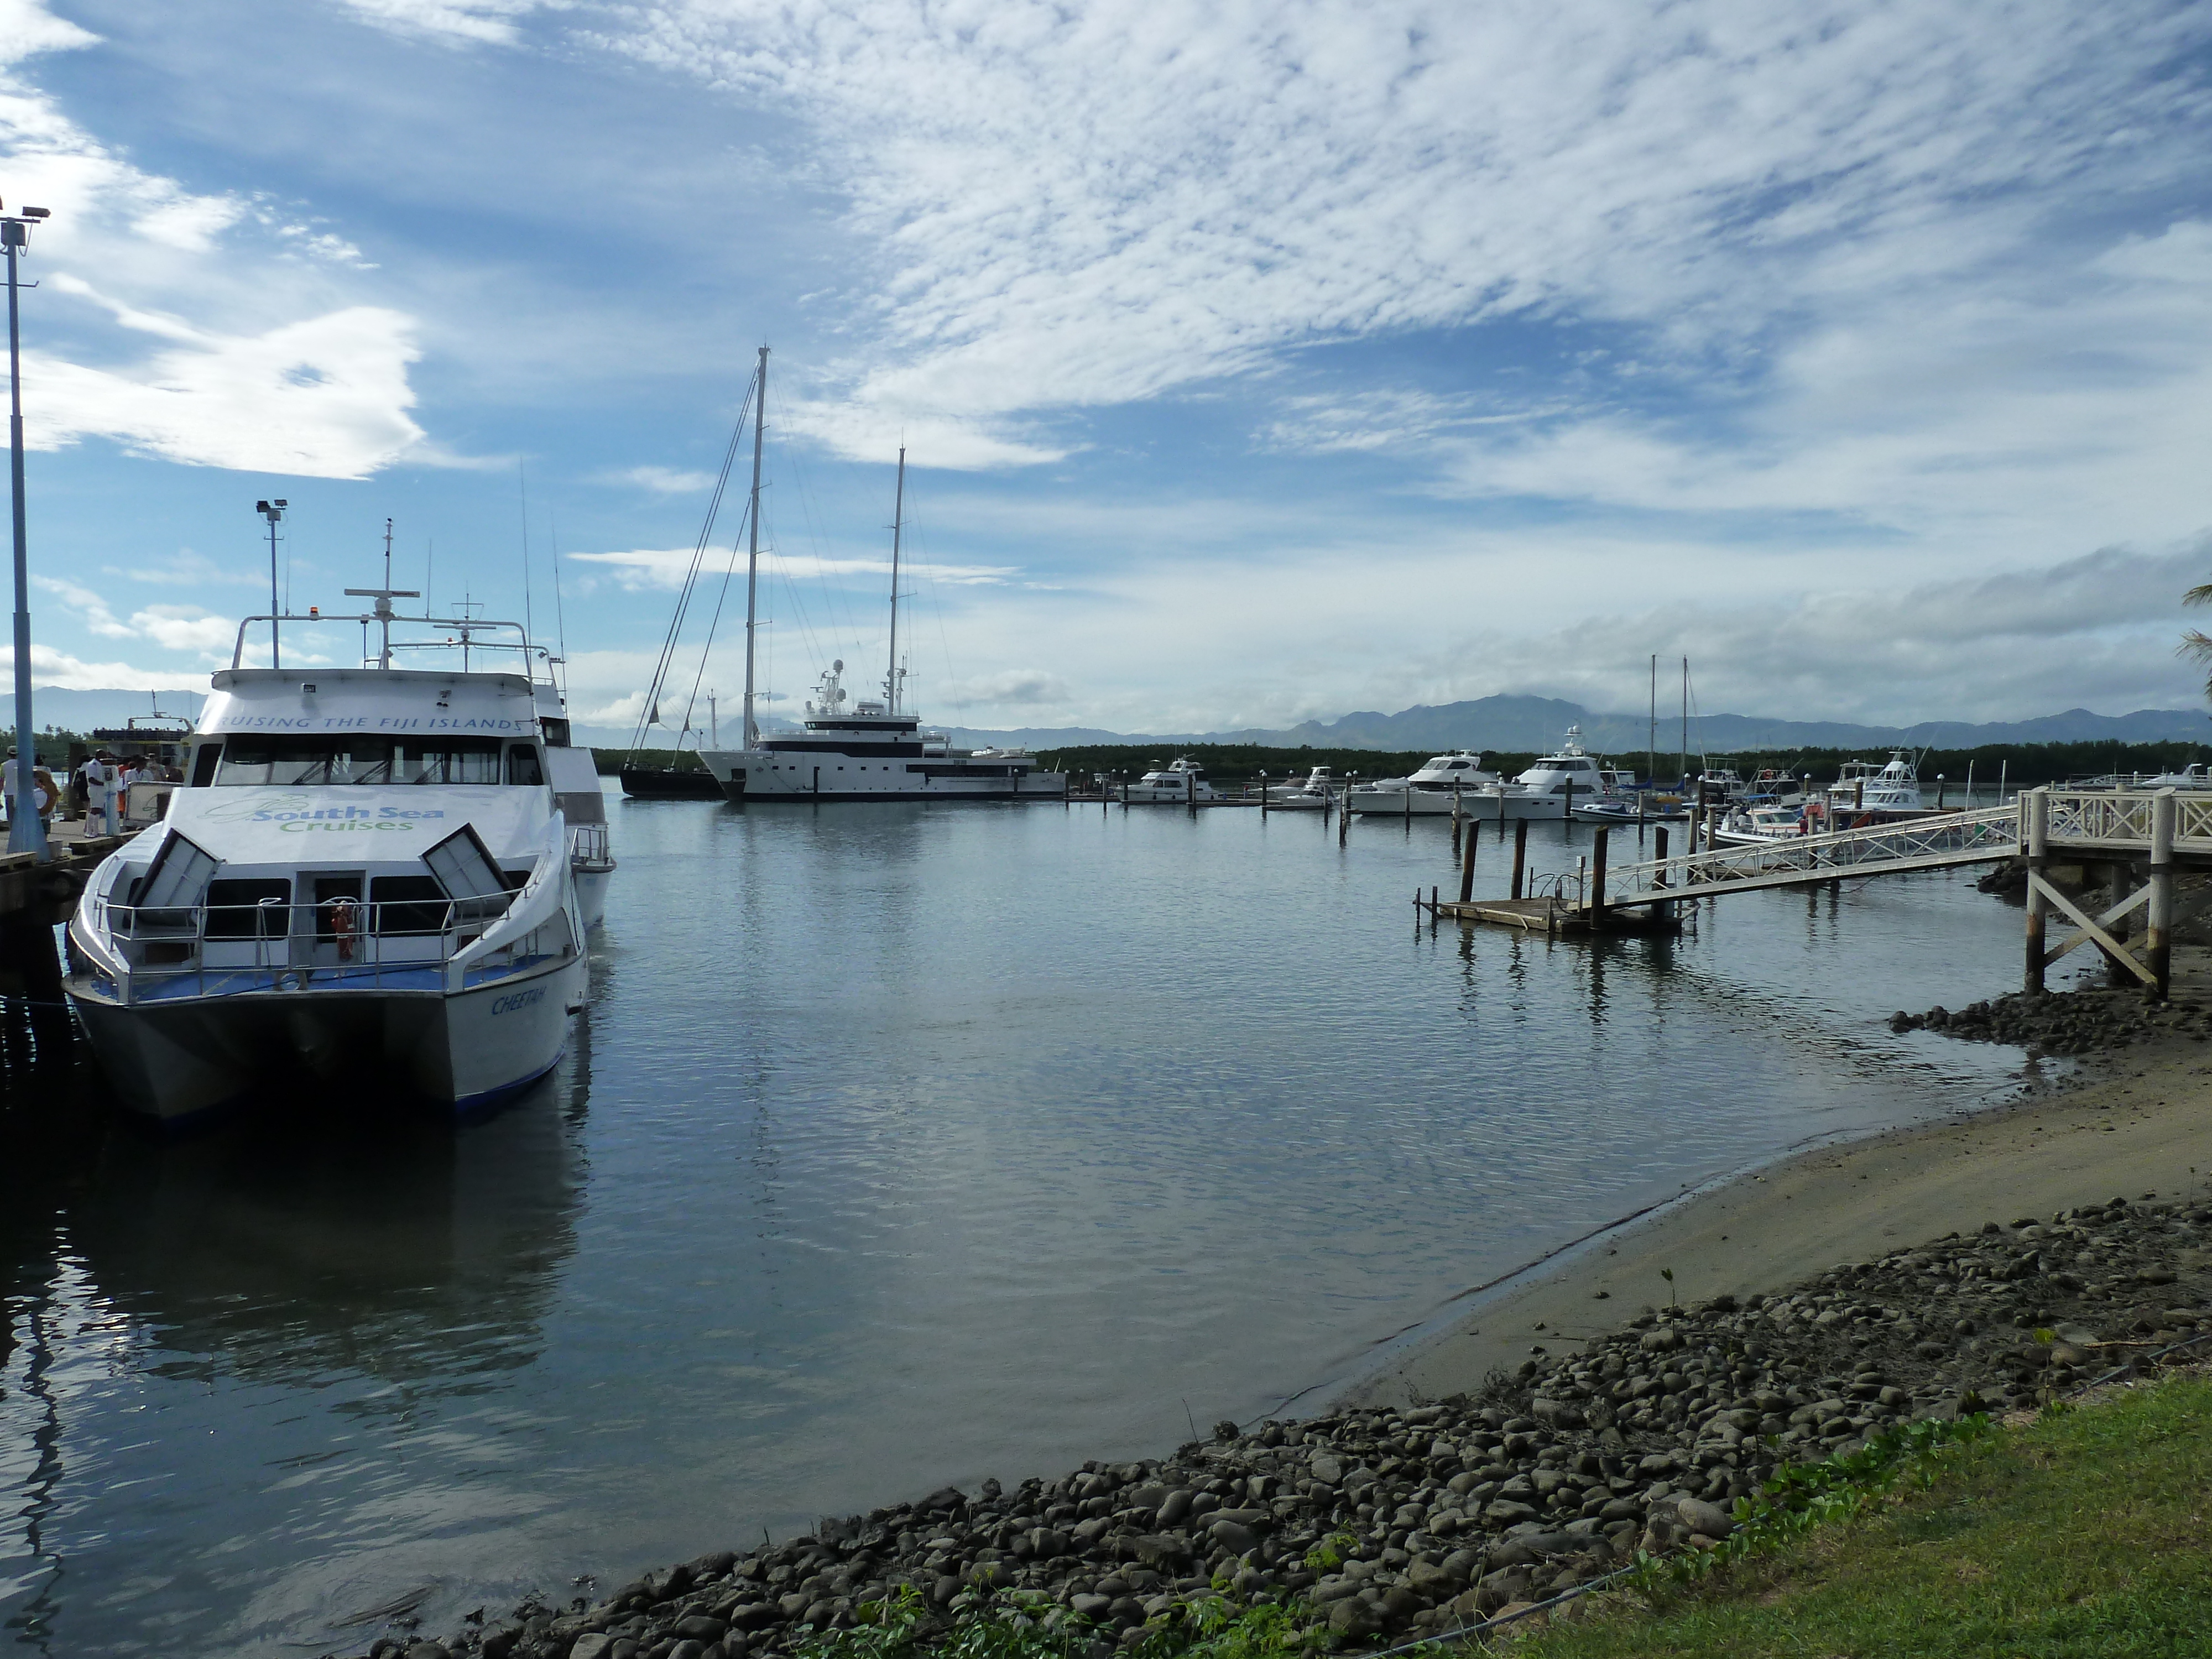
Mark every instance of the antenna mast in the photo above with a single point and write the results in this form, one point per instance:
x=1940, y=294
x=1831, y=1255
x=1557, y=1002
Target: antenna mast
x=892, y=677
x=752, y=554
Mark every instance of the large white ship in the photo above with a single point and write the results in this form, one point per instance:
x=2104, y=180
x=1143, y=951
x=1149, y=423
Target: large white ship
x=872, y=752
x=374, y=874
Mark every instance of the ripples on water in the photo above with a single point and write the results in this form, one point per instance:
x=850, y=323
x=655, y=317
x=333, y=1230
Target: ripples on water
x=900, y=1145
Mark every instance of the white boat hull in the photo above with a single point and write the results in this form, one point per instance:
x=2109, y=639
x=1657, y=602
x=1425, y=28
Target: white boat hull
x=1422, y=804
x=176, y=1059
x=592, y=894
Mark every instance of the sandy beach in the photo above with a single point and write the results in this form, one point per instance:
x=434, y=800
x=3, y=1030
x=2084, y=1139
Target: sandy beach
x=2138, y=1123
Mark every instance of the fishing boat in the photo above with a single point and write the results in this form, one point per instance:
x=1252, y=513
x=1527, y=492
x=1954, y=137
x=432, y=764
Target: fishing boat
x=1865, y=793
x=1431, y=790
x=380, y=875
x=1180, y=783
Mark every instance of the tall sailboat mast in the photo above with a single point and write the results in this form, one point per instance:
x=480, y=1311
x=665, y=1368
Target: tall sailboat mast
x=752, y=553
x=898, y=518
x=1651, y=735
x=1682, y=766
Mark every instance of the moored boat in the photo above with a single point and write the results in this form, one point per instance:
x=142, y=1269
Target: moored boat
x=1180, y=783
x=1426, y=792
x=369, y=874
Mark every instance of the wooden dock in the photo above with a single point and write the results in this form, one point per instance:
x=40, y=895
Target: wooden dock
x=34, y=898
x=2141, y=840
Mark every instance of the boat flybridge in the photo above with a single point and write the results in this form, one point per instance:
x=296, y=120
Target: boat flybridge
x=1864, y=792
x=378, y=873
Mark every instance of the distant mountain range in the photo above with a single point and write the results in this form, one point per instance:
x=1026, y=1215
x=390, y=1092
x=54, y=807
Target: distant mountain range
x=1514, y=724
x=1503, y=723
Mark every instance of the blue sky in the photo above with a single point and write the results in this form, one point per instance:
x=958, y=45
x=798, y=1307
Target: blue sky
x=1256, y=362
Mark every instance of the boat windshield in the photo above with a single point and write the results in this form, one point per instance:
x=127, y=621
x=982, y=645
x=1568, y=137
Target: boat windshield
x=357, y=757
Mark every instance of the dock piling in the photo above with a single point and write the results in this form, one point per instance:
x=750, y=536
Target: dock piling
x=2158, y=954
x=2038, y=802
x=1467, y=866
x=1597, y=876
x=1520, y=853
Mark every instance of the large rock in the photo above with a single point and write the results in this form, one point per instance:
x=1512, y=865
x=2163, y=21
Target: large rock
x=1707, y=1520
x=1504, y=1512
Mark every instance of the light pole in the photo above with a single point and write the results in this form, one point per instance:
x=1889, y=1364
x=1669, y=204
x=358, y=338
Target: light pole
x=274, y=512
x=27, y=829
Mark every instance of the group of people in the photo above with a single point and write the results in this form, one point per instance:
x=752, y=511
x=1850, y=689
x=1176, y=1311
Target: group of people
x=97, y=788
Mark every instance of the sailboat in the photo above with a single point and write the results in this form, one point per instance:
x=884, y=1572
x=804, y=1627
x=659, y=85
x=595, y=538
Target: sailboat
x=876, y=748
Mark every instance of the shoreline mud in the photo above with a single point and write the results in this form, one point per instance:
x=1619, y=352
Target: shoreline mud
x=1589, y=1408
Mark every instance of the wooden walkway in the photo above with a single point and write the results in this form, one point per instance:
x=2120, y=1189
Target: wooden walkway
x=2143, y=838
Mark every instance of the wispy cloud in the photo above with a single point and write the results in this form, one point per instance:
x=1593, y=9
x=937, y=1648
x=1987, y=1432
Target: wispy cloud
x=661, y=480
x=481, y=21
x=170, y=627
x=665, y=567
x=304, y=389
x=1084, y=205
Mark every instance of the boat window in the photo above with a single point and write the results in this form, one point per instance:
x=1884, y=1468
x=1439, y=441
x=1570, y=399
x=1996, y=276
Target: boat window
x=522, y=765
x=244, y=907
x=463, y=867
x=172, y=883
x=204, y=764
x=400, y=905
x=356, y=758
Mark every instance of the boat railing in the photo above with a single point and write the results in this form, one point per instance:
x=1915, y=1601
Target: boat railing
x=329, y=945
x=588, y=845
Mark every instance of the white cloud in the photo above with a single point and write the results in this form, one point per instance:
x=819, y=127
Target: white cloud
x=75, y=674
x=186, y=568
x=489, y=22
x=171, y=627
x=1088, y=205
x=288, y=385
x=662, y=480
x=1010, y=687
x=323, y=397
x=640, y=569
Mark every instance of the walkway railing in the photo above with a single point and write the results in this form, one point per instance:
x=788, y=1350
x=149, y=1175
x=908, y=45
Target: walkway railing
x=1981, y=835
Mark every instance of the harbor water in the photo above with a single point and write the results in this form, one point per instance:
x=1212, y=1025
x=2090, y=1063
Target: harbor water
x=900, y=1145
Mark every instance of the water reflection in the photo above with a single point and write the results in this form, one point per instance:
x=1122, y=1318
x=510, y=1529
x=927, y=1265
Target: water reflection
x=214, y=1339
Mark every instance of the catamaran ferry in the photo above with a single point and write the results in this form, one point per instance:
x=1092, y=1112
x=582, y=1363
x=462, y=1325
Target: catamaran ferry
x=367, y=872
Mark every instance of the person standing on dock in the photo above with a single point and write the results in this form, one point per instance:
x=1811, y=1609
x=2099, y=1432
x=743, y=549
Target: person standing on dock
x=95, y=775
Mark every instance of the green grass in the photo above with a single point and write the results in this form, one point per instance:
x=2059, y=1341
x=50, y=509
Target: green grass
x=2086, y=1535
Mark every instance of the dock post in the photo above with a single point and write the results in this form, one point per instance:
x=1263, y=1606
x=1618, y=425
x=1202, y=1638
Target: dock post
x=2123, y=883
x=1520, y=853
x=1466, y=869
x=2158, y=954
x=1343, y=814
x=1665, y=909
x=1456, y=823
x=1597, y=877
x=2035, y=818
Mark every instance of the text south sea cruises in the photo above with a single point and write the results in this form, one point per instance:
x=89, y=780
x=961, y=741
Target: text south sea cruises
x=343, y=818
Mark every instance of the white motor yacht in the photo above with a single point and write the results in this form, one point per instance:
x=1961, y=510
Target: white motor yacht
x=1428, y=792
x=1864, y=792
x=871, y=752
x=367, y=874
x=1312, y=794
x=1757, y=825
x=1554, y=785
x=1177, y=784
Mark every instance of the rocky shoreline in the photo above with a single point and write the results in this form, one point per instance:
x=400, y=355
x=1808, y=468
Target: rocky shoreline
x=1436, y=1514
x=2077, y=1022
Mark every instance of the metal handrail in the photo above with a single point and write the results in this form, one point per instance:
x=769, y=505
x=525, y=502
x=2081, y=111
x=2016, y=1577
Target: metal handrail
x=161, y=946
x=1993, y=831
